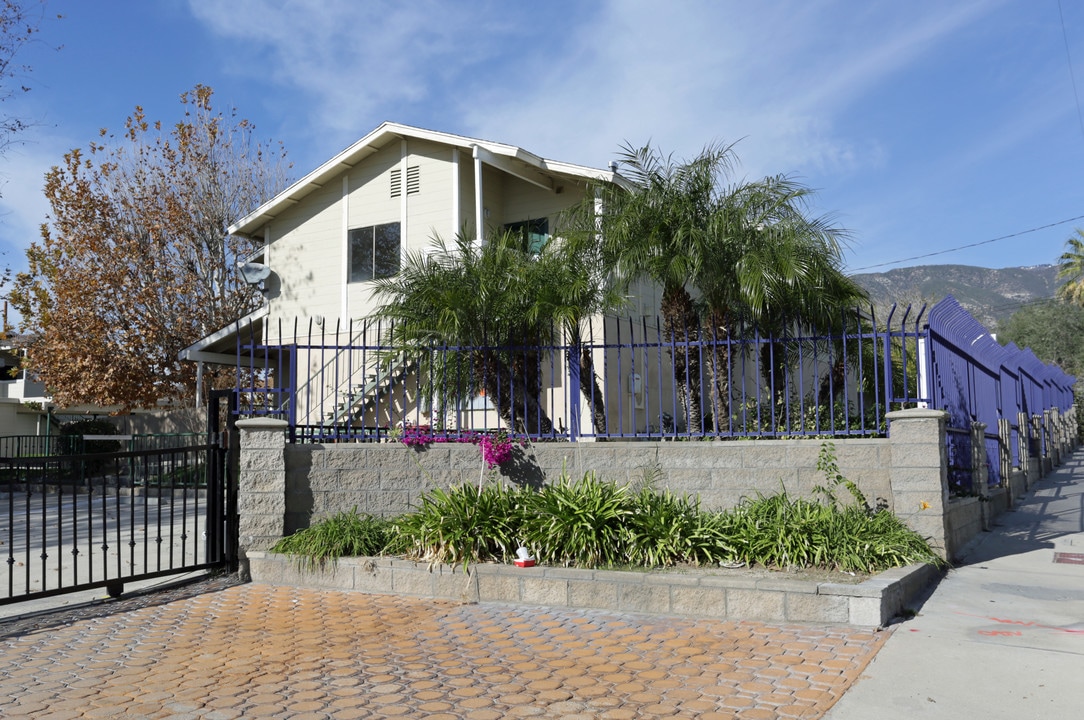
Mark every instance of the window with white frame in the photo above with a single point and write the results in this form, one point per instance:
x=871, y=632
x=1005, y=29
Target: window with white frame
x=374, y=252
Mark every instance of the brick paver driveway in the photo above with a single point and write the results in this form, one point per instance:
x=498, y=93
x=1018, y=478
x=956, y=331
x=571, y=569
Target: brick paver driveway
x=256, y=651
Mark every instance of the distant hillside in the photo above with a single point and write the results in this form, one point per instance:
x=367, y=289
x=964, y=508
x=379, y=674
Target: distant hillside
x=990, y=295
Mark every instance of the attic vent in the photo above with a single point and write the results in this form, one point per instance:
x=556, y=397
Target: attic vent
x=413, y=177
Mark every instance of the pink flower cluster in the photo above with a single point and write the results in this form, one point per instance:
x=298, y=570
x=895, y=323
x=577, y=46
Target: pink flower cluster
x=417, y=435
x=495, y=448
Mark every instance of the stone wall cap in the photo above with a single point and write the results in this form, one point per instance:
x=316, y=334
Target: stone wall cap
x=263, y=423
x=916, y=414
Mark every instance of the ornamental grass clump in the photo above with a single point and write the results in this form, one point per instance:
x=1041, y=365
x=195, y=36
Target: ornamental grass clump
x=780, y=531
x=666, y=529
x=464, y=524
x=579, y=523
x=346, y=534
x=783, y=531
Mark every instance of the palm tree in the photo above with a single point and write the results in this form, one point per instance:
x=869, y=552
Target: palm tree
x=778, y=271
x=750, y=251
x=660, y=229
x=462, y=314
x=1071, y=269
x=578, y=288
x=495, y=309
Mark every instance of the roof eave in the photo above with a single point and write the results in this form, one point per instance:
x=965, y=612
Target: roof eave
x=374, y=141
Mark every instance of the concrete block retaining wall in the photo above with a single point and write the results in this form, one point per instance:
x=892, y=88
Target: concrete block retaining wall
x=386, y=479
x=721, y=596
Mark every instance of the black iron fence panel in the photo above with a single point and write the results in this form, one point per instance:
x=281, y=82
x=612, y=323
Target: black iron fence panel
x=75, y=522
x=40, y=445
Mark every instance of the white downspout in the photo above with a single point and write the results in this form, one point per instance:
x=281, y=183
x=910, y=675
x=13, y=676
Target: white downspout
x=456, y=220
x=345, y=279
x=478, y=208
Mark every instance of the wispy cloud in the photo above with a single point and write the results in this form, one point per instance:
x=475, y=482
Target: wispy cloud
x=851, y=97
x=357, y=62
x=573, y=83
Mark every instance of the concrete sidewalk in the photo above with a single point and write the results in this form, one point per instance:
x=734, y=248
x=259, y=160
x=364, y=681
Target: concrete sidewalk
x=1002, y=636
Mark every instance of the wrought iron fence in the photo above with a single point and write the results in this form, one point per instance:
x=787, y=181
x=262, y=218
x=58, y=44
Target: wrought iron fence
x=975, y=379
x=615, y=378
x=26, y=446
x=73, y=522
x=631, y=378
x=40, y=445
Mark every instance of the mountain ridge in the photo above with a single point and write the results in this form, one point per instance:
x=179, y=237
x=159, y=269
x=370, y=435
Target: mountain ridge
x=992, y=295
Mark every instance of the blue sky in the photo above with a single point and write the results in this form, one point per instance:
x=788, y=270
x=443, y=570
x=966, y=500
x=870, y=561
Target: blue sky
x=923, y=125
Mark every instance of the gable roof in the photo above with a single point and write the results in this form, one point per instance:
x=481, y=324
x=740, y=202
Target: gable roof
x=509, y=158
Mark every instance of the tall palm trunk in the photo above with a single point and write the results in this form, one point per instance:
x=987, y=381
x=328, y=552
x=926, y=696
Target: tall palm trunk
x=516, y=397
x=718, y=333
x=590, y=389
x=681, y=328
x=773, y=369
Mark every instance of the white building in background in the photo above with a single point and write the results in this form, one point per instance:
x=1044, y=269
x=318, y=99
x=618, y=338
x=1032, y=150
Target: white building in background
x=23, y=399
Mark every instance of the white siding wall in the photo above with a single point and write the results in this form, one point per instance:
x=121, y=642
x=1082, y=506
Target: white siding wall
x=305, y=255
x=525, y=201
x=369, y=203
x=430, y=211
x=308, y=243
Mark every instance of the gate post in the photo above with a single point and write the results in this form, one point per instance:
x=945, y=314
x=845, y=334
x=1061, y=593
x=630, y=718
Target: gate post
x=261, y=485
x=1050, y=420
x=1048, y=443
x=919, y=474
x=1004, y=450
x=980, y=475
x=1036, y=451
x=1013, y=479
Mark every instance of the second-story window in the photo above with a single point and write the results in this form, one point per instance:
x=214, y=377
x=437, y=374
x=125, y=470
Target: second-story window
x=374, y=252
x=534, y=234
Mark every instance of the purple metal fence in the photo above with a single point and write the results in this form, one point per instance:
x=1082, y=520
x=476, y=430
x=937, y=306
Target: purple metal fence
x=976, y=380
x=626, y=378
x=629, y=378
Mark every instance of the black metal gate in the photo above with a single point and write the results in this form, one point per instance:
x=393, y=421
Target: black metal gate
x=142, y=511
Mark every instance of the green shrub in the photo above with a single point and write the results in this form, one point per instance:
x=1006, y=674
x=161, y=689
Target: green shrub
x=93, y=427
x=579, y=523
x=346, y=534
x=665, y=529
x=592, y=523
x=464, y=524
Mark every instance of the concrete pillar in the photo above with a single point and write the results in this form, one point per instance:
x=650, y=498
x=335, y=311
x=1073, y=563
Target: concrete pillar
x=980, y=473
x=1004, y=450
x=1012, y=478
x=1036, y=453
x=1074, y=428
x=1064, y=447
x=1023, y=448
x=261, y=486
x=919, y=473
x=1047, y=458
x=1051, y=416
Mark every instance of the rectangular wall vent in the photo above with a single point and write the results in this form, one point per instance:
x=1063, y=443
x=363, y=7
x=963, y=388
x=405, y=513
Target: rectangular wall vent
x=413, y=184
